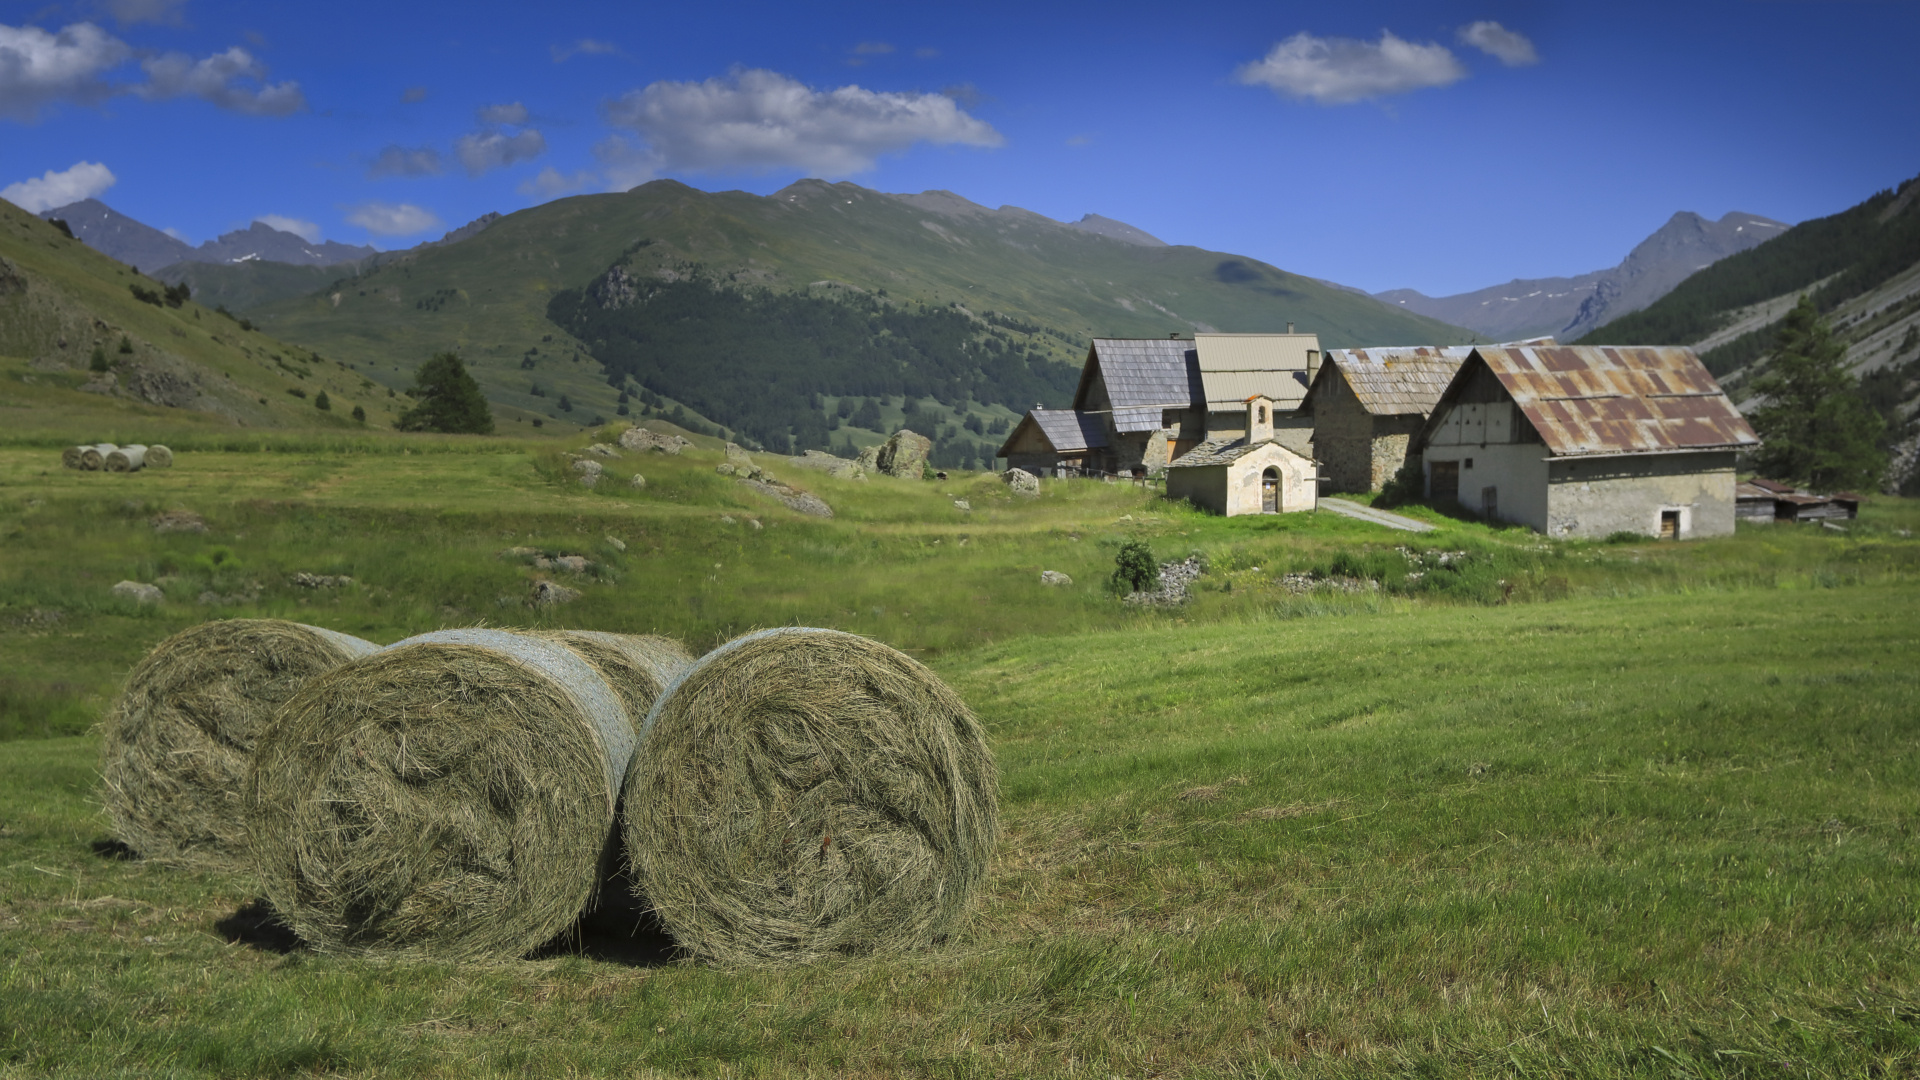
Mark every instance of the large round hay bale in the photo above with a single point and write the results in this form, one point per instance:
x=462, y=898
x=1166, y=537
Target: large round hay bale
x=178, y=741
x=638, y=667
x=159, y=457
x=70, y=457
x=803, y=793
x=449, y=796
x=126, y=458
x=94, y=458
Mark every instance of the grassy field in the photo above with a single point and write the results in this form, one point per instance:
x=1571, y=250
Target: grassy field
x=1541, y=809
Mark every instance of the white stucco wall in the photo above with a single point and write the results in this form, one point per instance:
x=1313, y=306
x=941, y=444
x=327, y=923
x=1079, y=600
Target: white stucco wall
x=1233, y=490
x=1516, y=472
x=1599, y=496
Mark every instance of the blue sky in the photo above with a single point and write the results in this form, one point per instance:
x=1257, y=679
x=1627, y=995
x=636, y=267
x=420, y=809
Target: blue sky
x=1441, y=146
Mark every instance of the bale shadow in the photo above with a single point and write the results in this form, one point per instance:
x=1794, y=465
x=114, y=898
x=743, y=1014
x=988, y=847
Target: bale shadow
x=619, y=928
x=114, y=850
x=257, y=925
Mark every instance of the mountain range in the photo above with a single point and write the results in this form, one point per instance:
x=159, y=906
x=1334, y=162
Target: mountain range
x=1569, y=307
x=118, y=236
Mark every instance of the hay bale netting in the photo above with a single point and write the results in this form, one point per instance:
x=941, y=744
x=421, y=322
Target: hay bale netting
x=638, y=667
x=126, y=458
x=179, y=739
x=449, y=796
x=94, y=458
x=801, y=794
x=159, y=457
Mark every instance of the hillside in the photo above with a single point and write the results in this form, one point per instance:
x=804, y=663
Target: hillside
x=1047, y=287
x=159, y=366
x=1571, y=306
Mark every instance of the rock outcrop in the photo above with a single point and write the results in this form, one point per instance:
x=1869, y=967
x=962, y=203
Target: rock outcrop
x=904, y=454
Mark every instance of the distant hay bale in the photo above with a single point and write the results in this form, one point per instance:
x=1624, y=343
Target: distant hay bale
x=94, y=458
x=126, y=459
x=70, y=457
x=449, y=796
x=178, y=741
x=801, y=794
x=159, y=457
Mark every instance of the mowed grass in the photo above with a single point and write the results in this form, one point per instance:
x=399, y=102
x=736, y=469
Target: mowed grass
x=1667, y=835
x=1555, y=809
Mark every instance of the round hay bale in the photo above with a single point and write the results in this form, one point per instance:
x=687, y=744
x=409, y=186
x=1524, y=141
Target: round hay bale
x=94, y=458
x=178, y=741
x=159, y=457
x=70, y=457
x=800, y=794
x=638, y=667
x=449, y=796
x=126, y=459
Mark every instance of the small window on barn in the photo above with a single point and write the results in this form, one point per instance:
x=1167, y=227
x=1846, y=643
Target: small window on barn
x=1467, y=464
x=1669, y=524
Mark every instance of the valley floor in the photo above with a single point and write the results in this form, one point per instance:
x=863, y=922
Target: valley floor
x=1562, y=809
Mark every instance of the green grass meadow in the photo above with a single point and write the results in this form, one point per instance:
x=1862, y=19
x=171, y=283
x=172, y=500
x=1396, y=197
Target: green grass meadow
x=1534, y=809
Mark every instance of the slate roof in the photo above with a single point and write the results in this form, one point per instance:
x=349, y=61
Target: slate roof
x=1132, y=420
x=1155, y=372
x=1606, y=399
x=1395, y=381
x=1224, y=450
x=1070, y=430
x=1234, y=367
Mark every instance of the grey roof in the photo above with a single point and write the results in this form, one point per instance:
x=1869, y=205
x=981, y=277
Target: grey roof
x=1406, y=380
x=1221, y=451
x=1127, y=421
x=1070, y=430
x=1234, y=367
x=1156, y=372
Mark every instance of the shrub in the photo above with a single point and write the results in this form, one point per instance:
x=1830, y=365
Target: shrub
x=360, y=414
x=297, y=392
x=323, y=402
x=1407, y=485
x=98, y=361
x=1134, y=569
x=126, y=344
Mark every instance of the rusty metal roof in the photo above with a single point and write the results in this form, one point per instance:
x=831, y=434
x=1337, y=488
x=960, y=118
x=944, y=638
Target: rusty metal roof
x=1233, y=367
x=1607, y=399
x=1146, y=372
x=1399, y=381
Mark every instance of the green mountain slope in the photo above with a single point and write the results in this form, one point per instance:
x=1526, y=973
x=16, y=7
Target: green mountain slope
x=159, y=366
x=1047, y=285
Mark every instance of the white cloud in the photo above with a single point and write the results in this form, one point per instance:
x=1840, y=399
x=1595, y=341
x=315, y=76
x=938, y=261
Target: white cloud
x=758, y=119
x=405, y=161
x=37, y=68
x=485, y=150
x=83, y=181
x=1337, y=71
x=1512, y=49
x=217, y=80
x=551, y=183
x=128, y=12
x=584, y=47
x=176, y=234
x=514, y=114
x=392, y=219
x=305, y=230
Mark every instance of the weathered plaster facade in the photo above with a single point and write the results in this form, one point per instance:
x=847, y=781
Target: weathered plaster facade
x=1601, y=496
x=1254, y=473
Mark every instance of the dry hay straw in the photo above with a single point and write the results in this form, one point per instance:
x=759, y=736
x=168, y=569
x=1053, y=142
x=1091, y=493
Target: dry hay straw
x=179, y=739
x=126, y=459
x=449, y=796
x=94, y=458
x=70, y=457
x=159, y=457
x=802, y=794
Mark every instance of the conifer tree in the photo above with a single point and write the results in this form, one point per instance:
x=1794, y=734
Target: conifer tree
x=447, y=399
x=1815, y=425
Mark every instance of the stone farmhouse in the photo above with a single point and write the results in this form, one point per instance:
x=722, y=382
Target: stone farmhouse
x=1249, y=471
x=1587, y=441
x=1367, y=405
x=1144, y=402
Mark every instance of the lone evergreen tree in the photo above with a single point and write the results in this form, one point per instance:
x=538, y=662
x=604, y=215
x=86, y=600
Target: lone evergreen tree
x=447, y=400
x=1815, y=425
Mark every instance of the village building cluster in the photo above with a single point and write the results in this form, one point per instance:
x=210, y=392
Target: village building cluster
x=1570, y=440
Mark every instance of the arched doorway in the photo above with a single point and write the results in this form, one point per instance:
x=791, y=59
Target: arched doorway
x=1270, y=491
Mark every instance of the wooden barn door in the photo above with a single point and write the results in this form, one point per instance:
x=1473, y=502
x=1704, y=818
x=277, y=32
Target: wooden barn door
x=1445, y=480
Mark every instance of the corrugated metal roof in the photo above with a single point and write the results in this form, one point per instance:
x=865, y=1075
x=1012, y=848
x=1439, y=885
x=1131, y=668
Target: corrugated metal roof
x=1397, y=381
x=1070, y=430
x=1154, y=372
x=1234, y=367
x=1605, y=399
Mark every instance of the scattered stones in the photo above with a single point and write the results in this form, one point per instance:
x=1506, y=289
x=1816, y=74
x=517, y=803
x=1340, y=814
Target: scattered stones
x=576, y=564
x=1174, y=580
x=589, y=471
x=547, y=594
x=904, y=454
x=168, y=521
x=962, y=504
x=616, y=543
x=304, y=580
x=728, y=519
x=799, y=501
x=724, y=469
x=1021, y=482
x=837, y=467
x=518, y=553
x=869, y=459
x=1054, y=577
x=639, y=438
x=637, y=481
x=755, y=522
x=738, y=455
x=605, y=450
x=139, y=592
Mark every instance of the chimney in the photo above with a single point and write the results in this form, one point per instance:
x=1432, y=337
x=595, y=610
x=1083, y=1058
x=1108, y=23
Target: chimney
x=1175, y=336
x=1289, y=327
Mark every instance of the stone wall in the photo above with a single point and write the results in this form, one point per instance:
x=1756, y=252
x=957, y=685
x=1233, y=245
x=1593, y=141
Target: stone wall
x=1342, y=436
x=1595, y=497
